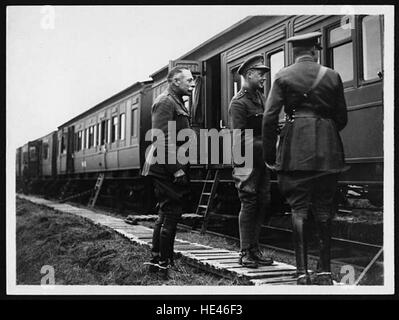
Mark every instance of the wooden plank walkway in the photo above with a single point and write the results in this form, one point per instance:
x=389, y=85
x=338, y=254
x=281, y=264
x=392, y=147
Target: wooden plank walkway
x=215, y=260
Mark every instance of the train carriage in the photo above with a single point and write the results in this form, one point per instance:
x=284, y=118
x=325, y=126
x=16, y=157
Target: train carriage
x=108, y=137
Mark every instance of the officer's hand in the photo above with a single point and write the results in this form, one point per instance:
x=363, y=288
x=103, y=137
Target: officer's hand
x=180, y=177
x=271, y=166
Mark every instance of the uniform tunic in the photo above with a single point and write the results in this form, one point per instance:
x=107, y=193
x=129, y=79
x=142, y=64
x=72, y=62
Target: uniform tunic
x=252, y=182
x=308, y=142
x=310, y=153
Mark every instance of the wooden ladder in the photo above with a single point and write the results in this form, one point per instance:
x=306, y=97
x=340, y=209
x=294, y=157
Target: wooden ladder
x=207, y=196
x=97, y=189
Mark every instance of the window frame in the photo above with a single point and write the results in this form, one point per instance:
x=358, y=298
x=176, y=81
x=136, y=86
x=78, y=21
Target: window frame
x=45, y=151
x=329, y=52
x=122, y=128
x=268, y=55
x=133, y=126
x=114, y=128
x=360, y=68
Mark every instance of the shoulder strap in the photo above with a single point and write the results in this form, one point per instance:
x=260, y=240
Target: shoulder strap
x=320, y=75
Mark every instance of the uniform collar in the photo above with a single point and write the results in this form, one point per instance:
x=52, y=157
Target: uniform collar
x=254, y=95
x=178, y=98
x=304, y=58
x=251, y=92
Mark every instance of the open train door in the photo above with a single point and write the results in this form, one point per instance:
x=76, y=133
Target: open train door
x=70, y=150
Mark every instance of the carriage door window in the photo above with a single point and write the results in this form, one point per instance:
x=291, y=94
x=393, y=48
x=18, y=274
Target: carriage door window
x=276, y=63
x=80, y=141
x=32, y=154
x=236, y=82
x=87, y=138
x=371, y=43
x=114, y=128
x=45, y=151
x=134, y=122
x=108, y=131
x=63, y=147
x=340, y=50
x=91, y=137
x=121, y=133
x=95, y=134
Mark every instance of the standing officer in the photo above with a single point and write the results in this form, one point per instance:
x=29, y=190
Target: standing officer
x=170, y=179
x=310, y=153
x=252, y=182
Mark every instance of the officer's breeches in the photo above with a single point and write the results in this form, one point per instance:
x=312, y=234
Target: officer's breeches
x=309, y=192
x=254, y=193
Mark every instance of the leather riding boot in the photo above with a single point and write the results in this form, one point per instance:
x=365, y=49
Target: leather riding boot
x=259, y=256
x=300, y=245
x=246, y=259
x=323, y=275
x=153, y=263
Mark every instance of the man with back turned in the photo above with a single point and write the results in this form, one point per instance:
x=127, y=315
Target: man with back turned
x=170, y=179
x=310, y=154
x=251, y=180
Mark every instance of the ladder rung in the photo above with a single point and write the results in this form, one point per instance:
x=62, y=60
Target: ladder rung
x=206, y=193
x=202, y=206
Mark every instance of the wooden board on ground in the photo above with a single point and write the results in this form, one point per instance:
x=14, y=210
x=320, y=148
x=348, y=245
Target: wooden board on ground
x=216, y=260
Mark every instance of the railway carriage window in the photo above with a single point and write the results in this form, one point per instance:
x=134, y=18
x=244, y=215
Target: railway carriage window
x=122, y=121
x=95, y=134
x=276, y=63
x=87, y=138
x=32, y=154
x=108, y=131
x=114, y=135
x=45, y=151
x=134, y=122
x=83, y=139
x=80, y=141
x=91, y=137
x=103, y=132
x=63, y=147
x=340, y=50
x=236, y=82
x=371, y=43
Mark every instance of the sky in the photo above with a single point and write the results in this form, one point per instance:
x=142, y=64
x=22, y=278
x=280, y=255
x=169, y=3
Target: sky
x=62, y=60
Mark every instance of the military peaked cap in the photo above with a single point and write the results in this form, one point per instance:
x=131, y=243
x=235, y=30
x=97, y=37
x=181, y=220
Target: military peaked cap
x=255, y=62
x=306, y=40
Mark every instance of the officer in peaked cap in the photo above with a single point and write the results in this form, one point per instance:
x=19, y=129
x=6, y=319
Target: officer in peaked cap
x=306, y=40
x=253, y=63
x=310, y=154
x=251, y=179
